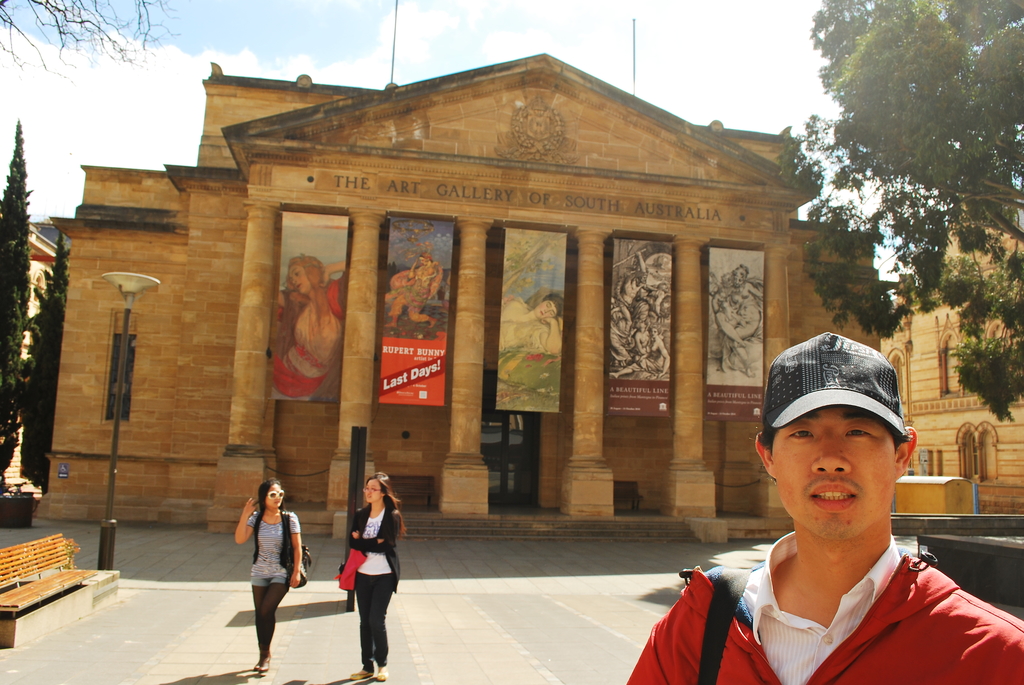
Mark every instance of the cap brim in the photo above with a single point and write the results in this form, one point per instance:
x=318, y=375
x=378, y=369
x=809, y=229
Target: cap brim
x=831, y=397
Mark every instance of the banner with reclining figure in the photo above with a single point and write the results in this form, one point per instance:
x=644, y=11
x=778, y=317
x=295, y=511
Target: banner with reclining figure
x=532, y=312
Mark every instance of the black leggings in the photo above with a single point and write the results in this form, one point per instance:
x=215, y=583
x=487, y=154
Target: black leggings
x=373, y=595
x=266, y=599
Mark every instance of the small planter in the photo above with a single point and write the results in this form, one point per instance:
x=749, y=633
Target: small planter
x=16, y=511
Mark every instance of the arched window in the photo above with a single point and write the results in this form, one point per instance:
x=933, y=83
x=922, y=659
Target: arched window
x=948, y=382
x=902, y=382
x=967, y=443
x=987, y=441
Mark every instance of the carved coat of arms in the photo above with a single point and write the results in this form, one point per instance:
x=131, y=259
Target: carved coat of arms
x=537, y=135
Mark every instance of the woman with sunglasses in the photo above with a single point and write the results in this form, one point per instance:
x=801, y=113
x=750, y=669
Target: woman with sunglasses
x=278, y=539
x=375, y=531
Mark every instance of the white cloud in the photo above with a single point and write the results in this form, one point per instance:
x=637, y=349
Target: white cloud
x=416, y=30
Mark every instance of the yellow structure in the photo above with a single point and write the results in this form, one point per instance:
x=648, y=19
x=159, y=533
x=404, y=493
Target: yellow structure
x=203, y=431
x=934, y=495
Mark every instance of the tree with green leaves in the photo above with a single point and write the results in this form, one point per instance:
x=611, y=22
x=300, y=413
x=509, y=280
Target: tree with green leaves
x=14, y=293
x=40, y=404
x=926, y=161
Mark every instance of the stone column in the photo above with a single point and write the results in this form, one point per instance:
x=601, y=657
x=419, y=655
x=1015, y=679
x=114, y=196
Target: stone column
x=357, y=380
x=240, y=469
x=776, y=302
x=689, y=486
x=587, y=480
x=464, y=481
x=776, y=340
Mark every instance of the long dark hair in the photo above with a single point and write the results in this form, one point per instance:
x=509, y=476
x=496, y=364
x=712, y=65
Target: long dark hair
x=265, y=488
x=388, y=491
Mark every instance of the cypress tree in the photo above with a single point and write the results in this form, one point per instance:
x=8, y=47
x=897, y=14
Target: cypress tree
x=40, y=404
x=14, y=291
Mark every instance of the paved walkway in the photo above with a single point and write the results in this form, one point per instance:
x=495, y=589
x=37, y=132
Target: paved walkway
x=507, y=613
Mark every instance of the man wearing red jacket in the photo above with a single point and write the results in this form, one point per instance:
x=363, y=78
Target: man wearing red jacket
x=835, y=602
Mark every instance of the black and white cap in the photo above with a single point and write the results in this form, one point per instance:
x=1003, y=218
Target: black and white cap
x=831, y=370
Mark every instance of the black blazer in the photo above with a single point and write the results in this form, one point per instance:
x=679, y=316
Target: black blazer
x=388, y=536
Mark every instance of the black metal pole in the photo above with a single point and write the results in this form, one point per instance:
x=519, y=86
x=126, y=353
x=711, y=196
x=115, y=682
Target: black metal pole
x=108, y=526
x=356, y=469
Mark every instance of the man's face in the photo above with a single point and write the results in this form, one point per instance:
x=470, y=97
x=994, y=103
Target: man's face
x=836, y=470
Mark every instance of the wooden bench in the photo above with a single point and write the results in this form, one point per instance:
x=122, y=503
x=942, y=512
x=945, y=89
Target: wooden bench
x=35, y=571
x=413, y=486
x=623, y=490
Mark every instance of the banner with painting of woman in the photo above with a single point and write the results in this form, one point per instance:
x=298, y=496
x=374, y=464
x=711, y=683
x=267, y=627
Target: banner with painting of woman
x=310, y=307
x=532, y=312
x=640, y=334
x=735, y=335
x=415, y=340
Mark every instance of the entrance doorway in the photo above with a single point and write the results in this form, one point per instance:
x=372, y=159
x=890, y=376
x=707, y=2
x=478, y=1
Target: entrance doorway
x=510, y=442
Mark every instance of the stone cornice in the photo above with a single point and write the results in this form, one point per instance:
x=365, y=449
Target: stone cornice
x=122, y=219
x=207, y=179
x=286, y=153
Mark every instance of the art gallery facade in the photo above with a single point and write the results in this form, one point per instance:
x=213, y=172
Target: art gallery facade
x=532, y=144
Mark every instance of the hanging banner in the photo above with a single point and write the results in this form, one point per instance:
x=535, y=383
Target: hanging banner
x=310, y=307
x=641, y=328
x=413, y=349
x=532, y=307
x=735, y=339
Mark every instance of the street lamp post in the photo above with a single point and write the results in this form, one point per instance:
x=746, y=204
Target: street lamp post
x=131, y=287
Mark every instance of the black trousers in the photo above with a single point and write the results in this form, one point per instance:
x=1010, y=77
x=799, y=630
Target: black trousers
x=373, y=595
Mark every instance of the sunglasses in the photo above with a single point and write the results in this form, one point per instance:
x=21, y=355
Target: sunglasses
x=276, y=494
x=371, y=490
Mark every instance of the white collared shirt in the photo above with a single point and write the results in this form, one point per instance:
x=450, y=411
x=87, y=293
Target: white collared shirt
x=796, y=646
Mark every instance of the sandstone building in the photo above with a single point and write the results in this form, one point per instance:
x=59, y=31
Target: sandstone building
x=203, y=430
x=959, y=436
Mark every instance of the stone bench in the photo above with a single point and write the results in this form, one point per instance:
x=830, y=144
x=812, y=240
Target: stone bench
x=413, y=486
x=627, y=491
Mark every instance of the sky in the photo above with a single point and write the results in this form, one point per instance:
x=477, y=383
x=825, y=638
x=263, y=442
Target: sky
x=749, y=64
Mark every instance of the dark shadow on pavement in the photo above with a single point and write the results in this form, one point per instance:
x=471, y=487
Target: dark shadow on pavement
x=665, y=597
x=288, y=613
x=236, y=678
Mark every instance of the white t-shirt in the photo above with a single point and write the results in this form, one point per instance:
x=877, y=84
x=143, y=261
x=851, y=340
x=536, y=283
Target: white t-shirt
x=376, y=563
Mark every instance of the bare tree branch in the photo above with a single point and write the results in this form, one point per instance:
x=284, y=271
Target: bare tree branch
x=83, y=26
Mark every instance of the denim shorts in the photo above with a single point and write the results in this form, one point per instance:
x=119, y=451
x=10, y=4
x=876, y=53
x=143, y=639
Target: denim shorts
x=265, y=582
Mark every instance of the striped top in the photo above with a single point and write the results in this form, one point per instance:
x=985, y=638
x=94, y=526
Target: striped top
x=269, y=537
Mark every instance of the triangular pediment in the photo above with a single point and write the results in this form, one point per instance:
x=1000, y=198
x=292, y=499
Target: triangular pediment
x=532, y=111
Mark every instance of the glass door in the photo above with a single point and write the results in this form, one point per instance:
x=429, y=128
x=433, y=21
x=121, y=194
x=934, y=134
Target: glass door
x=509, y=443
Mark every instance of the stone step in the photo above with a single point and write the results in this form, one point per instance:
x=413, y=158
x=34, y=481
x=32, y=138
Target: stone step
x=436, y=527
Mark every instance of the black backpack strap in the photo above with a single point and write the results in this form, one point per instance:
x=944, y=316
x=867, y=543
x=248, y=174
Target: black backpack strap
x=729, y=585
x=256, y=536
x=287, y=555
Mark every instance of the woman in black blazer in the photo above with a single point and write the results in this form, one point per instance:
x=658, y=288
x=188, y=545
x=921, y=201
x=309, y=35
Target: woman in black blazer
x=375, y=532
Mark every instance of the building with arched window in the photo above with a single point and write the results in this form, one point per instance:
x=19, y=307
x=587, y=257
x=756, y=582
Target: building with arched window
x=253, y=357
x=958, y=436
